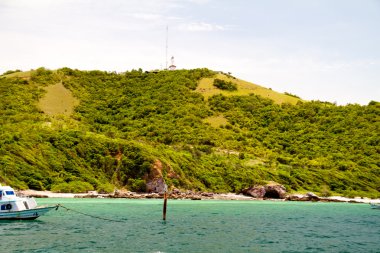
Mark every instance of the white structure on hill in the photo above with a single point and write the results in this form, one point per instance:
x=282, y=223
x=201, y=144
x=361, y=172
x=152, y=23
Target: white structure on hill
x=172, y=66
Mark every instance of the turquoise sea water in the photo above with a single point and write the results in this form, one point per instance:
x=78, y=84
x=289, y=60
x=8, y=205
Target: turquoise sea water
x=196, y=226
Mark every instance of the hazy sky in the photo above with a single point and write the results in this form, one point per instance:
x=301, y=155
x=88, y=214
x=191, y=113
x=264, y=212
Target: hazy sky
x=325, y=50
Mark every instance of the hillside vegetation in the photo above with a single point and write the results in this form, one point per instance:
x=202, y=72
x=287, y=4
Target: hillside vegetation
x=203, y=137
x=207, y=89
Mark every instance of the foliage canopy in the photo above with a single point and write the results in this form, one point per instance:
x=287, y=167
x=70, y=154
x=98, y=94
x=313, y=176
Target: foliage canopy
x=127, y=121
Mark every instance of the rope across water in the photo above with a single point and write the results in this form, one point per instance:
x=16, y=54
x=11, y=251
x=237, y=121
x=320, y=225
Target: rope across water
x=89, y=215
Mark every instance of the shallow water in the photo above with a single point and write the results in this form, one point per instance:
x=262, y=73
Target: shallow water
x=196, y=226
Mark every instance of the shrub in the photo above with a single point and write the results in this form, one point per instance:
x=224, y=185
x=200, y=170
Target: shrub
x=292, y=95
x=10, y=72
x=105, y=188
x=35, y=185
x=325, y=192
x=73, y=187
x=224, y=85
x=44, y=76
x=136, y=185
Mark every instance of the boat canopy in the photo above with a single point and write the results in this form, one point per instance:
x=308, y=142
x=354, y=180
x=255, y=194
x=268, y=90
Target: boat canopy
x=7, y=193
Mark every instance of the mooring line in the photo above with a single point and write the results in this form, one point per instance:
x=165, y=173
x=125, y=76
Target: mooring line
x=89, y=215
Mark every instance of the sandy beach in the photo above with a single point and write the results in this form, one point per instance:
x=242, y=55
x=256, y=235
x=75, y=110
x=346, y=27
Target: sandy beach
x=48, y=194
x=201, y=196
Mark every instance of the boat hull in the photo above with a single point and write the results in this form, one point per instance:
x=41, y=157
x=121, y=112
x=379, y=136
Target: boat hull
x=29, y=214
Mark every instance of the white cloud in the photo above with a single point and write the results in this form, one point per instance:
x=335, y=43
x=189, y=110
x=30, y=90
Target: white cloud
x=146, y=16
x=199, y=1
x=201, y=27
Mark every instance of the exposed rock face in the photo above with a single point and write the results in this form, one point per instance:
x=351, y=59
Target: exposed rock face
x=275, y=191
x=255, y=191
x=155, y=181
x=270, y=191
x=156, y=185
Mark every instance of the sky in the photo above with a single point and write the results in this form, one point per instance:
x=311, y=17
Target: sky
x=316, y=49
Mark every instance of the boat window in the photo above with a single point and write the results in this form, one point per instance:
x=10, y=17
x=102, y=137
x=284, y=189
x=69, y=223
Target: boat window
x=10, y=192
x=6, y=207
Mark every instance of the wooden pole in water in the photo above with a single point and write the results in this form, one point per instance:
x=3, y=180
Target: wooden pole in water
x=165, y=203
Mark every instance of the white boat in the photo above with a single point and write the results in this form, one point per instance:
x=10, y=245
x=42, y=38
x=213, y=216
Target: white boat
x=375, y=206
x=13, y=207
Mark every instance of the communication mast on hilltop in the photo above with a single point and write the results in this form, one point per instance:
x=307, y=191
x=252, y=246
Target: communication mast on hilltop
x=166, y=51
x=172, y=66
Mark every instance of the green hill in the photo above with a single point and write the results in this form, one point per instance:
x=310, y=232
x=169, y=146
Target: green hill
x=126, y=126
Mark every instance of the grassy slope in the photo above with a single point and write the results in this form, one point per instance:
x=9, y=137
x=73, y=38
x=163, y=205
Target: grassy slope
x=207, y=89
x=58, y=100
x=245, y=88
x=23, y=74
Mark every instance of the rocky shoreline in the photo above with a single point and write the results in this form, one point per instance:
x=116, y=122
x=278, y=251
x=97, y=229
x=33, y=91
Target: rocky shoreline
x=190, y=195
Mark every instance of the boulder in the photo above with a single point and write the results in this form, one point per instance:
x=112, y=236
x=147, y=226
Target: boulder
x=311, y=196
x=255, y=191
x=275, y=191
x=207, y=194
x=307, y=197
x=270, y=191
x=176, y=191
x=294, y=197
x=153, y=196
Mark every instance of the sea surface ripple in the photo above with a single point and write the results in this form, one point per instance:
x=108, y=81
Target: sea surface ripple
x=196, y=226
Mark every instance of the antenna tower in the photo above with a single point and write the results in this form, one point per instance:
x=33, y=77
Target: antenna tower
x=166, y=51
